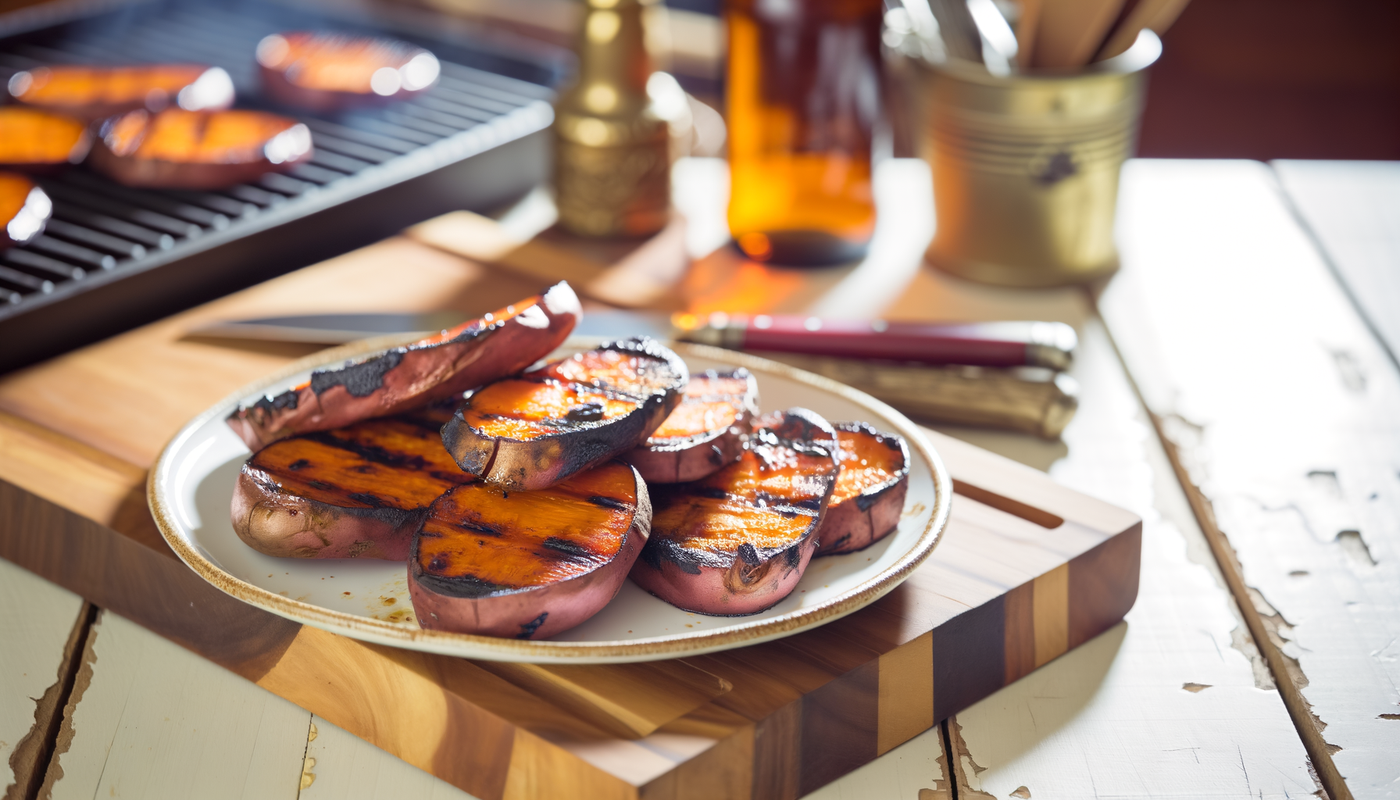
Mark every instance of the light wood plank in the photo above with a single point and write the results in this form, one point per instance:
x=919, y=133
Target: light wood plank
x=1282, y=408
x=1112, y=717
x=149, y=719
x=37, y=620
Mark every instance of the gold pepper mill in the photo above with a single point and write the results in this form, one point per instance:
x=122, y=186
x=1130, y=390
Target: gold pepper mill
x=612, y=162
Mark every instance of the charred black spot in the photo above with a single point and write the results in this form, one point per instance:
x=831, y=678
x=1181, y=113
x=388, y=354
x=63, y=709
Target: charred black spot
x=370, y=452
x=587, y=412
x=469, y=586
x=477, y=527
x=321, y=485
x=608, y=502
x=657, y=549
x=748, y=554
x=278, y=403
x=360, y=380
x=438, y=564
x=528, y=629
x=365, y=469
x=712, y=492
x=793, y=556
x=300, y=463
x=368, y=499
x=573, y=550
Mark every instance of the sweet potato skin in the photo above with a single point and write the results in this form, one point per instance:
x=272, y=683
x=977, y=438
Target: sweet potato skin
x=678, y=459
x=792, y=450
x=857, y=522
x=532, y=612
x=426, y=371
x=573, y=446
x=359, y=492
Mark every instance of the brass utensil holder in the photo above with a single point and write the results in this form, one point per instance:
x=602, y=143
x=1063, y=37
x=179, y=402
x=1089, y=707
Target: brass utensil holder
x=1025, y=167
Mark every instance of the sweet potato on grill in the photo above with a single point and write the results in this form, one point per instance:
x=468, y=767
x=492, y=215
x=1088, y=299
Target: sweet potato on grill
x=707, y=431
x=24, y=209
x=569, y=415
x=438, y=367
x=869, y=496
x=178, y=149
x=739, y=540
x=92, y=93
x=528, y=564
x=39, y=142
x=356, y=492
x=328, y=71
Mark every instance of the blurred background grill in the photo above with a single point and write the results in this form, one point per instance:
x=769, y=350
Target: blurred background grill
x=113, y=257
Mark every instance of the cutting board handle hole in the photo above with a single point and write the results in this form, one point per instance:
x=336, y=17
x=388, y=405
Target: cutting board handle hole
x=1015, y=508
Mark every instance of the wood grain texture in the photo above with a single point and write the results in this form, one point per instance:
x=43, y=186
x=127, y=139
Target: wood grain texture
x=1113, y=714
x=39, y=624
x=1289, y=453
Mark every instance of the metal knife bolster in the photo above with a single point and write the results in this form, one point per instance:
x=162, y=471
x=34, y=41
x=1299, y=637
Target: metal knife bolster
x=991, y=344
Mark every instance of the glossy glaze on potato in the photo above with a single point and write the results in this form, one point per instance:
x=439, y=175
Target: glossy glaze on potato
x=738, y=541
x=95, y=92
x=178, y=149
x=501, y=343
x=24, y=209
x=354, y=492
x=325, y=71
x=870, y=489
x=567, y=416
x=36, y=141
x=706, y=431
x=528, y=564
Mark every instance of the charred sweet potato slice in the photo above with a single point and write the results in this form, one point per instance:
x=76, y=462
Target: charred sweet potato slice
x=569, y=415
x=354, y=492
x=325, y=71
x=706, y=431
x=869, y=496
x=501, y=343
x=24, y=209
x=738, y=541
x=39, y=142
x=91, y=93
x=178, y=149
x=528, y=564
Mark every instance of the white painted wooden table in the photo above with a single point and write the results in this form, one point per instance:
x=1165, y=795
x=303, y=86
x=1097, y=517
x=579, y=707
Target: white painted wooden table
x=1274, y=397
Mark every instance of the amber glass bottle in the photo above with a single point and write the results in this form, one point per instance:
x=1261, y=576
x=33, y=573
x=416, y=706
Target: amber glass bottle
x=803, y=96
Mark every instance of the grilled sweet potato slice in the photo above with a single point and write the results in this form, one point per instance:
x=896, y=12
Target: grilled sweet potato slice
x=24, y=209
x=356, y=492
x=91, y=93
x=869, y=496
x=528, y=564
x=327, y=71
x=178, y=149
x=438, y=367
x=569, y=415
x=706, y=431
x=739, y=540
x=36, y=141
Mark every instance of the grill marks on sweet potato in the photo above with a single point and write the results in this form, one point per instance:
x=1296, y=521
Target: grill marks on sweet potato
x=397, y=463
x=480, y=539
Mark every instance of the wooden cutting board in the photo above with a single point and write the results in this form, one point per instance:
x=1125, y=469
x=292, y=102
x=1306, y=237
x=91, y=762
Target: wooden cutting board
x=1026, y=571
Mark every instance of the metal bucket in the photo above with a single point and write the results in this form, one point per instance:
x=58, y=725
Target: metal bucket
x=1025, y=167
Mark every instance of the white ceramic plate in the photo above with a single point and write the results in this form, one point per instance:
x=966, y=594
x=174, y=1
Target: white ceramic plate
x=191, y=488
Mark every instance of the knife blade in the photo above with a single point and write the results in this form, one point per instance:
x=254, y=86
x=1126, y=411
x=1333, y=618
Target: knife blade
x=986, y=344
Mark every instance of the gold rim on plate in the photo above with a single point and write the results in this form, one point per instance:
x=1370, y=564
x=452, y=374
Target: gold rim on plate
x=550, y=651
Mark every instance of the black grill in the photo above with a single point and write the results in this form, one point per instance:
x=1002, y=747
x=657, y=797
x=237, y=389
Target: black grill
x=114, y=257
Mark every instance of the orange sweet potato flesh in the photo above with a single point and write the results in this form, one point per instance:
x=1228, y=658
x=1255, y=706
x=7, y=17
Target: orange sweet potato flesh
x=707, y=431
x=24, y=209
x=38, y=141
x=570, y=415
x=323, y=71
x=738, y=541
x=870, y=490
x=198, y=149
x=91, y=92
x=354, y=492
x=528, y=564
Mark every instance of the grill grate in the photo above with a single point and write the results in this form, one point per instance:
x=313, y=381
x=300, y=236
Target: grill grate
x=103, y=234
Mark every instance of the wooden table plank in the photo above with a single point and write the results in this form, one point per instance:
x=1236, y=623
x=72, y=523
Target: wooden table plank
x=1166, y=704
x=1283, y=410
x=41, y=627
x=150, y=719
x=1352, y=210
